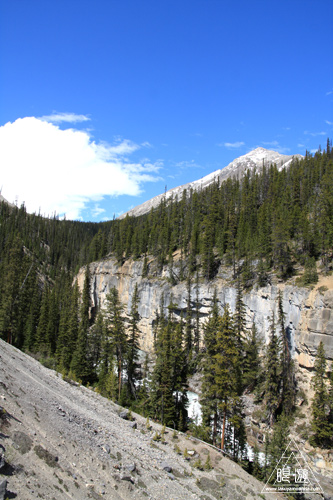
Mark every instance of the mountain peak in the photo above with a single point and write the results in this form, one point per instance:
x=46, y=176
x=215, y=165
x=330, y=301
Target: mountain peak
x=255, y=159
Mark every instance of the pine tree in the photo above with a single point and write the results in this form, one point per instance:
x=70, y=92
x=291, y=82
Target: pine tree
x=280, y=242
x=330, y=404
x=209, y=397
x=115, y=323
x=33, y=318
x=320, y=408
x=310, y=272
x=225, y=368
x=239, y=321
x=197, y=317
x=179, y=374
x=53, y=322
x=133, y=343
x=161, y=394
x=71, y=330
x=239, y=316
x=287, y=367
x=9, y=305
x=207, y=246
x=64, y=313
x=188, y=326
x=95, y=343
x=80, y=363
x=41, y=344
x=252, y=362
x=278, y=443
x=272, y=373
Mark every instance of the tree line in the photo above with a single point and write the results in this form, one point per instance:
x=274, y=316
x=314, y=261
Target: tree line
x=269, y=220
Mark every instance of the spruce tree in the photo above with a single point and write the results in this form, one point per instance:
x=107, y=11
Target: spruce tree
x=71, y=330
x=115, y=324
x=179, y=373
x=278, y=443
x=209, y=396
x=330, y=404
x=161, y=394
x=95, y=343
x=9, y=305
x=41, y=344
x=80, y=362
x=197, y=317
x=226, y=371
x=272, y=373
x=133, y=344
x=321, y=426
x=252, y=361
x=188, y=325
x=239, y=320
x=33, y=318
x=287, y=366
x=53, y=322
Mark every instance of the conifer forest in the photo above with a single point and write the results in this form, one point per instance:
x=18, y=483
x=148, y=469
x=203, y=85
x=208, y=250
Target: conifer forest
x=269, y=222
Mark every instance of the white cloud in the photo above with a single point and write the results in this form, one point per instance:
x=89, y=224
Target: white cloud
x=314, y=134
x=187, y=164
x=61, y=171
x=232, y=145
x=146, y=144
x=329, y=123
x=64, y=118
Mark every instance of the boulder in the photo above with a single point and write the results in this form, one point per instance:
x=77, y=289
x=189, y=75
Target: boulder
x=165, y=466
x=127, y=477
x=130, y=467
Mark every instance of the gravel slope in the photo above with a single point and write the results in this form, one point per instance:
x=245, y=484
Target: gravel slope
x=63, y=441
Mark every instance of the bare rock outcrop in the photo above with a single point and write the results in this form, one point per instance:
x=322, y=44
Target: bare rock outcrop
x=309, y=317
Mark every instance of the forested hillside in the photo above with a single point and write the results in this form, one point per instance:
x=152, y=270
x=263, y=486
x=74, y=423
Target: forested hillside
x=274, y=218
x=270, y=221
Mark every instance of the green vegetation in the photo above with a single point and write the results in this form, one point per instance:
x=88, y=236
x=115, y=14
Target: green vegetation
x=269, y=222
x=322, y=403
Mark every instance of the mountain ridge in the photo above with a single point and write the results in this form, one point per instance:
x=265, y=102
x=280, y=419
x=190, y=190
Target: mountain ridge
x=255, y=159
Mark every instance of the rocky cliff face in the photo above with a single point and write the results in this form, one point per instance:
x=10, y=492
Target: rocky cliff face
x=309, y=316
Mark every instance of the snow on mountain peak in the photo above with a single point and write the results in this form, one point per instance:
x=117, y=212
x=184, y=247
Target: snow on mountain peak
x=255, y=159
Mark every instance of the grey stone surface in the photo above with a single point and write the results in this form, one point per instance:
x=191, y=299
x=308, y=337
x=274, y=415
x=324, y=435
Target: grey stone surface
x=84, y=470
x=308, y=313
x=3, y=487
x=165, y=466
x=106, y=448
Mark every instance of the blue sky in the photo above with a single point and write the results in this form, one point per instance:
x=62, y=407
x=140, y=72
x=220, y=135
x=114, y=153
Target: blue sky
x=104, y=103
